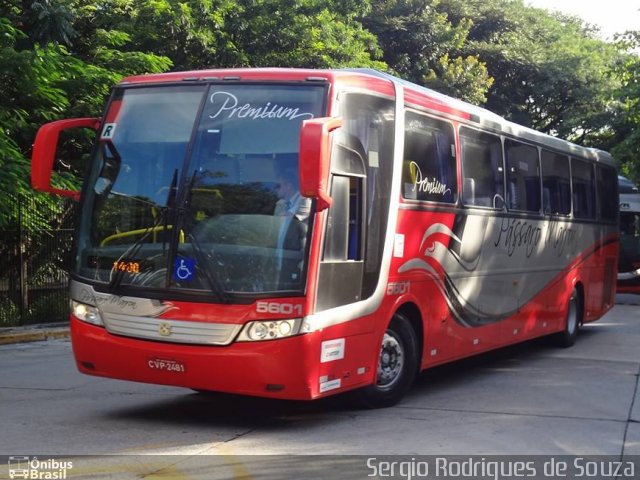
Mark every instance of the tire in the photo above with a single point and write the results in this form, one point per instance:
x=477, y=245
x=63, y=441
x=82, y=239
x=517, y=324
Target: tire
x=568, y=337
x=397, y=366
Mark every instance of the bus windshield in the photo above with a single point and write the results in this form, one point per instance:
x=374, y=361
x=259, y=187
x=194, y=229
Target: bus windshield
x=195, y=188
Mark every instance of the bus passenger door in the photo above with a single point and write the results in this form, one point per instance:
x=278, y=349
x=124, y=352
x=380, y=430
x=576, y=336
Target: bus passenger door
x=342, y=265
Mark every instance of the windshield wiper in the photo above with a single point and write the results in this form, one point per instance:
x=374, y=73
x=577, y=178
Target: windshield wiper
x=132, y=251
x=215, y=286
x=212, y=280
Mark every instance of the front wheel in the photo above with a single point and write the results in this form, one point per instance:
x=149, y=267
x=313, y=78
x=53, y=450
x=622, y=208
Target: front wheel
x=397, y=366
x=568, y=337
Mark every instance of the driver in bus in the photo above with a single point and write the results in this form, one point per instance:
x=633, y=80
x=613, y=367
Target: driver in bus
x=294, y=209
x=290, y=202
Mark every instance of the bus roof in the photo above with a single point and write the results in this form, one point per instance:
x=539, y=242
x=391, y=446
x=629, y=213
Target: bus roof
x=478, y=115
x=492, y=121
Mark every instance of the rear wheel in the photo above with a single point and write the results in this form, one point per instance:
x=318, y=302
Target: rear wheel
x=568, y=337
x=397, y=366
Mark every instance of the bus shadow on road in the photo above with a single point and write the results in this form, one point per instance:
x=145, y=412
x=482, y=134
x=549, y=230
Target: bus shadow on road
x=221, y=409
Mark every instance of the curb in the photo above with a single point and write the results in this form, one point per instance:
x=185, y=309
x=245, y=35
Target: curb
x=32, y=334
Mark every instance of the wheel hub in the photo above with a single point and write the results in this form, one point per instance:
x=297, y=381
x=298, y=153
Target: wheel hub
x=391, y=361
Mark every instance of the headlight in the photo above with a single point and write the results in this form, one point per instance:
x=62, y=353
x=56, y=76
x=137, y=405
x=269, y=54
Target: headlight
x=86, y=313
x=270, y=330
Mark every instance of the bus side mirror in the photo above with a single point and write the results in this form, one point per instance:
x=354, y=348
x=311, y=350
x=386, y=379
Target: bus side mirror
x=44, y=152
x=315, y=149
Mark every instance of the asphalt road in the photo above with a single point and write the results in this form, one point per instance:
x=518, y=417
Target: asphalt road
x=532, y=399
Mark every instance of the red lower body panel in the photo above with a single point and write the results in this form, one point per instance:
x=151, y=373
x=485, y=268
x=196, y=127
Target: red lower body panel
x=287, y=368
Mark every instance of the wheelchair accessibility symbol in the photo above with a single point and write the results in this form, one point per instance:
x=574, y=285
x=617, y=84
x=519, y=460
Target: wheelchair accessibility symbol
x=184, y=269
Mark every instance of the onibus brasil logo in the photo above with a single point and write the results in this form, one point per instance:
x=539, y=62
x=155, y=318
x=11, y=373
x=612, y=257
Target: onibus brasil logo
x=32, y=468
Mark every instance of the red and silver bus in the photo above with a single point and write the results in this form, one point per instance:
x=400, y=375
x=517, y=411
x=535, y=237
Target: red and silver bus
x=422, y=230
x=629, y=261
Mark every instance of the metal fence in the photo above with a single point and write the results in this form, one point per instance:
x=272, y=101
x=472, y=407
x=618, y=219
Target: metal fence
x=35, y=258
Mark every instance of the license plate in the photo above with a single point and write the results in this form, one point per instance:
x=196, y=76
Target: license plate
x=167, y=365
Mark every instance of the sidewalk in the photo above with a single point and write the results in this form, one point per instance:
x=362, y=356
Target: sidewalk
x=34, y=333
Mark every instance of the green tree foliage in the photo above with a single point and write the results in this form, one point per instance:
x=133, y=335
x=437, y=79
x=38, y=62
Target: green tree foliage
x=28, y=96
x=303, y=33
x=198, y=34
x=626, y=124
x=189, y=33
x=550, y=71
x=44, y=79
x=421, y=44
x=47, y=21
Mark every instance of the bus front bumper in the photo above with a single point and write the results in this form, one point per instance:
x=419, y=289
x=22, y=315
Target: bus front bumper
x=276, y=369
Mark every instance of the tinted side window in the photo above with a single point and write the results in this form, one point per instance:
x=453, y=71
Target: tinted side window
x=482, y=169
x=523, y=176
x=556, y=184
x=584, y=189
x=429, y=166
x=608, y=193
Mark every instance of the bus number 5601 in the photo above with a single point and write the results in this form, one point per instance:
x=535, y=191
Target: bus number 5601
x=279, y=308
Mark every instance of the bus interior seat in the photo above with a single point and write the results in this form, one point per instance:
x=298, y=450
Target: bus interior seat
x=409, y=176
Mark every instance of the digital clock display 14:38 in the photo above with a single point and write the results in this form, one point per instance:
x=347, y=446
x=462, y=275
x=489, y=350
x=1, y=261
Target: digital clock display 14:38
x=128, y=266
